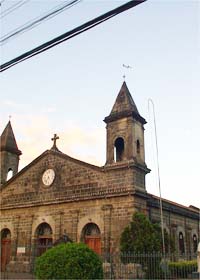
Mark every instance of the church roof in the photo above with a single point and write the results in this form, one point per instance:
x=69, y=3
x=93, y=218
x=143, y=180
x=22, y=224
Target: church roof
x=56, y=153
x=8, y=142
x=124, y=101
x=124, y=106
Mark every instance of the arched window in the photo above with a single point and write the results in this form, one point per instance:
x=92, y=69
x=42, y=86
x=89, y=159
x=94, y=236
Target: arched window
x=5, y=248
x=119, y=149
x=44, y=229
x=138, y=147
x=195, y=243
x=91, y=235
x=181, y=243
x=91, y=229
x=44, y=238
x=9, y=174
x=5, y=234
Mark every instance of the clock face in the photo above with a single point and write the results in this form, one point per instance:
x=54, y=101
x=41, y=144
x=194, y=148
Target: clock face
x=48, y=177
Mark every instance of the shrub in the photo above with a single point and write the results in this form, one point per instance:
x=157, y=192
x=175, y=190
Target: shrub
x=182, y=269
x=69, y=261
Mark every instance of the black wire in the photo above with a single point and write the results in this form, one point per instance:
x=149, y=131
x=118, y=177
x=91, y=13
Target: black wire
x=74, y=32
x=1, y=2
x=15, y=7
x=31, y=24
x=11, y=7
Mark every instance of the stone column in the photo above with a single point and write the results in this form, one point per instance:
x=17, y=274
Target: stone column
x=130, y=139
x=188, y=240
x=174, y=236
x=61, y=223
x=29, y=238
x=16, y=236
x=58, y=217
x=107, y=228
x=74, y=228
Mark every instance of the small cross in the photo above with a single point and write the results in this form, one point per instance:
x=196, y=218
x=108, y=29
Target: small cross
x=10, y=117
x=54, y=139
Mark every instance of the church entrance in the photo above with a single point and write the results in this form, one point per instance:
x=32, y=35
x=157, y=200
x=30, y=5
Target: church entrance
x=92, y=237
x=44, y=238
x=5, y=248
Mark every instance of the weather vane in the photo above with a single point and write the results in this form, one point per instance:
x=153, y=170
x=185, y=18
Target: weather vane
x=127, y=67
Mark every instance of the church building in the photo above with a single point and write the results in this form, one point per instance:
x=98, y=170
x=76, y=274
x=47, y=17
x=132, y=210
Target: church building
x=57, y=196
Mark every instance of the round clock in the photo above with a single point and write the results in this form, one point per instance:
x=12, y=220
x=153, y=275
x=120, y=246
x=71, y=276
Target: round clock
x=48, y=177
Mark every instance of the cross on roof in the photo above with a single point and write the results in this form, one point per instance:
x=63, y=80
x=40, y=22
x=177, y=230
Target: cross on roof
x=54, y=139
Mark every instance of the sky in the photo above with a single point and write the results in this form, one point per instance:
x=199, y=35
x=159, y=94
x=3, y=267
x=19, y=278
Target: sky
x=72, y=87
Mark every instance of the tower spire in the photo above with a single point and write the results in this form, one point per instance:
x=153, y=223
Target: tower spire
x=125, y=131
x=8, y=142
x=124, y=106
x=9, y=153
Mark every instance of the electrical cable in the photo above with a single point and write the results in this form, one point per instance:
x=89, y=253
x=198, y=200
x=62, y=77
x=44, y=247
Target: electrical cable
x=69, y=34
x=14, y=8
x=1, y=2
x=9, y=8
x=38, y=20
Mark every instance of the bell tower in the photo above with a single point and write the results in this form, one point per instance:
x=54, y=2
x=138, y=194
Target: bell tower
x=125, y=131
x=9, y=154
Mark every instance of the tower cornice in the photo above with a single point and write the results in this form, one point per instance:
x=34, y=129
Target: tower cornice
x=124, y=114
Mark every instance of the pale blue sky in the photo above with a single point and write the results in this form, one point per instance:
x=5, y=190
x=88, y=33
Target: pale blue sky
x=71, y=88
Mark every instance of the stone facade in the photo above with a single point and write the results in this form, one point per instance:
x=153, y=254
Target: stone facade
x=84, y=202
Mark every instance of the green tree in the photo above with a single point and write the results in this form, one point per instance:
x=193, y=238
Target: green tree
x=141, y=242
x=141, y=236
x=69, y=261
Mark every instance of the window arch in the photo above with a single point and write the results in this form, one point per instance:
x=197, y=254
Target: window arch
x=119, y=149
x=44, y=238
x=5, y=234
x=195, y=243
x=91, y=235
x=91, y=229
x=181, y=243
x=43, y=229
x=9, y=174
x=5, y=248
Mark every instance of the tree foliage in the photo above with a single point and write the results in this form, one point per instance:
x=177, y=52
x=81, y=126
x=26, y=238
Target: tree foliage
x=142, y=240
x=141, y=236
x=69, y=261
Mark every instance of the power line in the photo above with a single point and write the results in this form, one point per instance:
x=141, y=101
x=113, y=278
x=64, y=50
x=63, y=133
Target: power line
x=70, y=34
x=1, y=2
x=38, y=20
x=13, y=8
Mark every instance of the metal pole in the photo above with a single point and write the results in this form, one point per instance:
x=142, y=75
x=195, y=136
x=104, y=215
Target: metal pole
x=158, y=170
